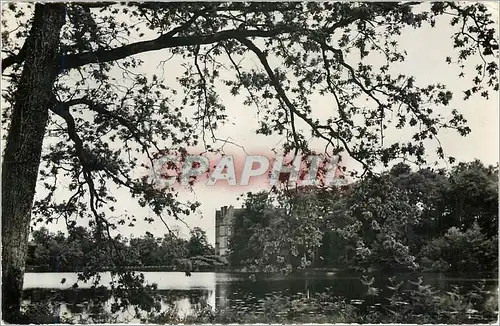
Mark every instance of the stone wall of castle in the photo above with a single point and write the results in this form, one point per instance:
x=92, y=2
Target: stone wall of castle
x=223, y=222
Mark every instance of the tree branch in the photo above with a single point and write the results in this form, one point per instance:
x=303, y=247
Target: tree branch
x=163, y=42
x=89, y=5
x=281, y=92
x=11, y=60
x=62, y=110
x=100, y=108
x=15, y=59
x=255, y=7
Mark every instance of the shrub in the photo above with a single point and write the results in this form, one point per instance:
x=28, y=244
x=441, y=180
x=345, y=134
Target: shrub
x=460, y=251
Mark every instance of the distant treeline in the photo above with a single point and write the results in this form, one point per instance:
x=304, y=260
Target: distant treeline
x=80, y=250
x=425, y=220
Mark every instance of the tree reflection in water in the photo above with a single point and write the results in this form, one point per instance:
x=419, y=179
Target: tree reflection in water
x=236, y=291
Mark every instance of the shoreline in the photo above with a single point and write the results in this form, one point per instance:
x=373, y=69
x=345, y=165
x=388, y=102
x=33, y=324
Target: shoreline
x=242, y=270
x=321, y=270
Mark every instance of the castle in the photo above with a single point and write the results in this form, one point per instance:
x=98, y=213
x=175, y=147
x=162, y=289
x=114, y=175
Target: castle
x=223, y=221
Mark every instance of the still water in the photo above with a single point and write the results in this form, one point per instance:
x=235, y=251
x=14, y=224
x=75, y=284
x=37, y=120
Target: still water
x=221, y=290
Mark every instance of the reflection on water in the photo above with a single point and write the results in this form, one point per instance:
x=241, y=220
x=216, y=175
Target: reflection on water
x=165, y=280
x=219, y=290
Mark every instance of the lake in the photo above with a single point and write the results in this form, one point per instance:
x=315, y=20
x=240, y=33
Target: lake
x=220, y=290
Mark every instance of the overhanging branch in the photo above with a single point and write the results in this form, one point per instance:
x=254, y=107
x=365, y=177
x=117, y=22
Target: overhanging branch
x=101, y=109
x=14, y=59
x=163, y=42
x=62, y=110
x=282, y=94
x=89, y=5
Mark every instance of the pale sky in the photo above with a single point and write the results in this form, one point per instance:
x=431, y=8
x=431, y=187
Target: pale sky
x=426, y=49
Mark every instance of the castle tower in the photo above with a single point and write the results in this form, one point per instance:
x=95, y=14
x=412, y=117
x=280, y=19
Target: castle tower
x=223, y=221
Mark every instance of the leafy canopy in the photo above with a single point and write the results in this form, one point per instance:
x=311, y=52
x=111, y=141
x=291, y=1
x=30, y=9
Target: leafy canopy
x=402, y=219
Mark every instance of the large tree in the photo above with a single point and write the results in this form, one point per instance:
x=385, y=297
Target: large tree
x=198, y=244
x=397, y=220
x=283, y=230
x=71, y=70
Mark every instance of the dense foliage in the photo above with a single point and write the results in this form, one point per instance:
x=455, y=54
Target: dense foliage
x=431, y=220
x=79, y=251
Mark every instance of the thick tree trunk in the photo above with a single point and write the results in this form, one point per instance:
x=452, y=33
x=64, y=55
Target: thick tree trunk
x=23, y=149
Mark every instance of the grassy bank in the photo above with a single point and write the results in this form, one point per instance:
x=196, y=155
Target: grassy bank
x=206, y=263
